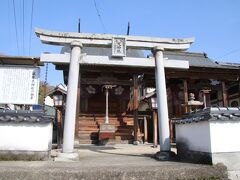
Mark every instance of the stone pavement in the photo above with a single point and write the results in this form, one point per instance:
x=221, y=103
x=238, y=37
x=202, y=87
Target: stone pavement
x=117, y=162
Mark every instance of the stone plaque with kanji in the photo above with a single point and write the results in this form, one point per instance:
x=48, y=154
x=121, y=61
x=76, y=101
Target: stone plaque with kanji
x=118, y=47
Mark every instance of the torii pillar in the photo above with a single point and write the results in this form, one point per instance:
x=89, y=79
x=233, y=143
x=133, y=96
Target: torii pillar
x=164, y=134
x=70, y=113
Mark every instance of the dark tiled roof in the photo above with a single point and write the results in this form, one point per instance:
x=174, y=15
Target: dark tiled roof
x=24, y=116
x=211, y=114
x=199, y=60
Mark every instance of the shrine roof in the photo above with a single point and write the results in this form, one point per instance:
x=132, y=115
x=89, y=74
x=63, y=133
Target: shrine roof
x=199, y=60
x=194, y=59
x=62, y=88
x=211, y=114
x=24, y=116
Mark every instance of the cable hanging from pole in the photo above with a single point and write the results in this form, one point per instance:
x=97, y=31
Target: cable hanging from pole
x=23, y=30
x=30, y=31
x=99, y=16
x=15, y=21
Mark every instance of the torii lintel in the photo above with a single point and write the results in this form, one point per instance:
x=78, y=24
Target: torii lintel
x=105, y=40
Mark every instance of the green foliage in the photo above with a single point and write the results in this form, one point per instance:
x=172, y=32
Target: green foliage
x=43, y=90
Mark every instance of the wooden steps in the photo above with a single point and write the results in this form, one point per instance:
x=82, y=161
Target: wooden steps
x=88, y=128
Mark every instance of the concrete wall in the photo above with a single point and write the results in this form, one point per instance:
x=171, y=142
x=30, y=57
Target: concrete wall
x=25, y=136
x=49, y=101
x=225, y=136
x=210, y=142
x=196, y=136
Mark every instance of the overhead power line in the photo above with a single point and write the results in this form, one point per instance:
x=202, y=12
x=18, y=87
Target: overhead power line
x=23, y=30
x=230, y=52
x=30, y=31
x=15, y=21
x=99, y=16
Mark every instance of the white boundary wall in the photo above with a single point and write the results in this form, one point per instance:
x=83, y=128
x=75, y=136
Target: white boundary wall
x=225, y=136
x=25, y=136
x=195, y=135
x=210, y=136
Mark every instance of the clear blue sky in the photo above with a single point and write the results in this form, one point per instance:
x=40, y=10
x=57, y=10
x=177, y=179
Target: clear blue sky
x=214, y=23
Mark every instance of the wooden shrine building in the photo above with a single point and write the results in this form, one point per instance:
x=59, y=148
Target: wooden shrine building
x=219, y=81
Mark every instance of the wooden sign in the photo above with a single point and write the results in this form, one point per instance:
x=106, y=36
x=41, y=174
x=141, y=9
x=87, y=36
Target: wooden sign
x=19, y=85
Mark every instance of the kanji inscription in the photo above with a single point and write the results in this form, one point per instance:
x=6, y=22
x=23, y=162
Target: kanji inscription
x=118, y=47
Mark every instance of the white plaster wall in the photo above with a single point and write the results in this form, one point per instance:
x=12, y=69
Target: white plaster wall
x=49, y=101
x=195, y=135
x=25, y=137
x=225, y=136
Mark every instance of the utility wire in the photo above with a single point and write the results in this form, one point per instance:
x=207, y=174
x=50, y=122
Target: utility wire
x=9, y=23
x=30, y=36
x=15, y=20
x=230, y=52
x=99, y=16
x=23, y=30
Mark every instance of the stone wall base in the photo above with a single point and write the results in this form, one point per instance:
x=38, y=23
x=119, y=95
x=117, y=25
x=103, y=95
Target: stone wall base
x=195, y=156
x=8, y=155
x=231, y=159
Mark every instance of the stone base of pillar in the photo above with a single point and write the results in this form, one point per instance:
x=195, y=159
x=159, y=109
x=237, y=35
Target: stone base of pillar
x=154, y=146
x=136, y=142
x=165, y=156
x=65, y=157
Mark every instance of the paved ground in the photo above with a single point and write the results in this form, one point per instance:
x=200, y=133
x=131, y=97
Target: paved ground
x=119, y=162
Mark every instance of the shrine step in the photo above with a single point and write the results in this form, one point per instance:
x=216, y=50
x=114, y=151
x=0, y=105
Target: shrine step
x=87, y=141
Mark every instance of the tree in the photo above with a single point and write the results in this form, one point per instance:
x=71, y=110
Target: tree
x=44, y=88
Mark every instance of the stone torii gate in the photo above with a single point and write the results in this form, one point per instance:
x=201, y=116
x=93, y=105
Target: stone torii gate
x=119, y=44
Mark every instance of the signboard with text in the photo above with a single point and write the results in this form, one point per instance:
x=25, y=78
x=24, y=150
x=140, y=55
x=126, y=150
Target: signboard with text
x=19, y=85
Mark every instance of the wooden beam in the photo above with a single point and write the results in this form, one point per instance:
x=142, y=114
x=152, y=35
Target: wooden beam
x=224, y=94
x=210, y=74
x=101, y=82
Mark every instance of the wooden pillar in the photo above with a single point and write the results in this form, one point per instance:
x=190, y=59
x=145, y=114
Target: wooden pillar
x=224, y=94
x=239, y=92
x=78, y=108
x=206, y=98
x=185, y=93
x=145, y=130
x=155, y=123
x=59, y=127
x=171, y=130
x=135, y=107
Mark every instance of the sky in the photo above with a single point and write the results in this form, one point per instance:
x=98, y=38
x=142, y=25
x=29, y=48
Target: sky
x=215, y=24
